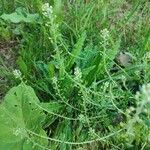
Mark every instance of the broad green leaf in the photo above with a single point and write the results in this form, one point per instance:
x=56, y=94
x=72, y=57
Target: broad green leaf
x=11, y=146
x=18, y=115
x=14, y=17
x=19, y=16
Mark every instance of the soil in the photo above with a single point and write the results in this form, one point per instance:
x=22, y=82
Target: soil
x=7, y=53
x=7, y=59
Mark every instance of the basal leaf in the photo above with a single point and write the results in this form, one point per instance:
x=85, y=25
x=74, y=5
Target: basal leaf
x=18, y=115
x=14, y=17
x=76, y=51
x=19, y=16
x=22, y=65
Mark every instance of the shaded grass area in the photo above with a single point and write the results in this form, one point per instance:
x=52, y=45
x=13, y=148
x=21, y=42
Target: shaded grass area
x=86, y=61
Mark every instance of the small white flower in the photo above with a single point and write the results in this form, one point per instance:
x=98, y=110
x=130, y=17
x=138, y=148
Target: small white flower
x=47, y=10
x=132, y=109
x=91, y=132
x=105, y=34
x=78, y=74
x=54, y=80
x=106, y=84
x=20, y=132
x=137, y=96
x=17, y=74
x=82, y=118
x=147, y=56
x=17, y=132
x=47, y=24
x=144, y=94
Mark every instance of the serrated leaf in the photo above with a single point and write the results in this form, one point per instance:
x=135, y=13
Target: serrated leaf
x=76, y=51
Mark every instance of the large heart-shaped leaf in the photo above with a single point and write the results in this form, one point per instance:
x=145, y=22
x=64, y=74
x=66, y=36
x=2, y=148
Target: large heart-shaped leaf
x=18, y=115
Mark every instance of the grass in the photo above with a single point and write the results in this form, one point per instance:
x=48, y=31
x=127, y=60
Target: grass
x=87, y=63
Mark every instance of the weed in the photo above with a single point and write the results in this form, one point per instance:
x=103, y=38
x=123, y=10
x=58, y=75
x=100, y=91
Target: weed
x=80, y=66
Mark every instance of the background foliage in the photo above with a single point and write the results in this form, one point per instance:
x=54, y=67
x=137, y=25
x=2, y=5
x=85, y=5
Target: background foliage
x=80, y=70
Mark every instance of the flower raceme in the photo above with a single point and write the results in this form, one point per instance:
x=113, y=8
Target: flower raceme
x=47, y=10
x=105, y=36
x=17, y=74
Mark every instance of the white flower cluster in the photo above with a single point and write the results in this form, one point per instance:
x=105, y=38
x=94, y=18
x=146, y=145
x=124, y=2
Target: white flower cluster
x=106, y=86
x=147, y=56
x=143, y=101
x=78, y=74
x=19, y=132
x=47, y=10
x=105, y=36
x=17, y=74
x=105, y=33
x=82, y=118
x=144, y=93
x=91, y=132
x=144, y=97
x=54, y=80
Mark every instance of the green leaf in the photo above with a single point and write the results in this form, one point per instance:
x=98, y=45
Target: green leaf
x=20, y=16
x=10, y=146
x=51, y=69
x=18, y=115
x=76, y=51
x=92, y=74
x=51, y=107
x=31, y=18
x=14, y=17
x=22, y=65
x=63, y=132
x=42, y=68
x=87, y=55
